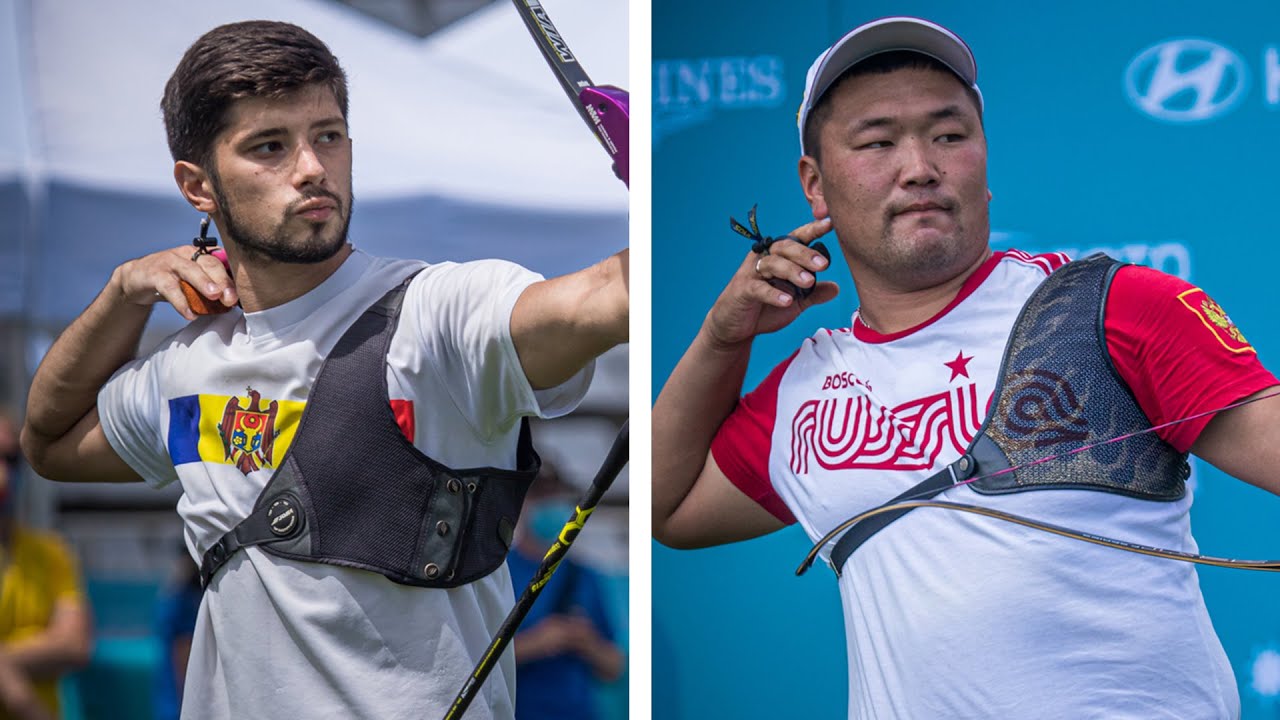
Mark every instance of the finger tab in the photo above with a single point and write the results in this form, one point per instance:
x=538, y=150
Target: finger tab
x=200, y=305
x=825, y=259
x=790, y=288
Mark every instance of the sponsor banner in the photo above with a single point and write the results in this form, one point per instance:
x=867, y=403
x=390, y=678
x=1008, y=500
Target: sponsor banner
x=1172, y=257
x=691, y=91
x=1196, y=80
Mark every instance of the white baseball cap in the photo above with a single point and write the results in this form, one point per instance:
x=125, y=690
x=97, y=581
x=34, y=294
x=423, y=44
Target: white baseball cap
x=880, y=36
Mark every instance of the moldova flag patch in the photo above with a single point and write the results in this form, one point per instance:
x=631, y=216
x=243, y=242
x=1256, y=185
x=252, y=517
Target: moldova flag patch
x=246, y=432
x=249, y=432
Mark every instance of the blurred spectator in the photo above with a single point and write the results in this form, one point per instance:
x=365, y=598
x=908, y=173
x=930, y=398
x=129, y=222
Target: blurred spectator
x=566, y=643
x=44, y=616
x=176, y=610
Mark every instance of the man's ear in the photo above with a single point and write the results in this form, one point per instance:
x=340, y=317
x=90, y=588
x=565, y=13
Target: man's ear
x=811, y=183
x=196, y=186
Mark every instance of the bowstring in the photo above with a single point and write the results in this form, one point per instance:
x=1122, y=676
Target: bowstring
x=1100, y=443
x=1067, y=532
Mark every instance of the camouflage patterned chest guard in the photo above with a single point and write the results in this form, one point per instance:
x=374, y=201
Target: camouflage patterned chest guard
x=354, y=491
x=1057, y=391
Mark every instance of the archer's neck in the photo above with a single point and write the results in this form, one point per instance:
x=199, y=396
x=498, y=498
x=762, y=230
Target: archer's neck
x=263, y=284
x=888, y=309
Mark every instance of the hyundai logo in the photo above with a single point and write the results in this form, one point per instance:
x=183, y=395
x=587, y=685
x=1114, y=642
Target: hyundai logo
x=1186, y=80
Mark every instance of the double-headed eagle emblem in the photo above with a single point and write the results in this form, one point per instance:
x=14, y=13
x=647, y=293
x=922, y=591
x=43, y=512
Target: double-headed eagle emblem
x=1219, y=317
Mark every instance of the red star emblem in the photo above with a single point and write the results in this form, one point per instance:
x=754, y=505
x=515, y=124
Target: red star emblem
x=959, y=366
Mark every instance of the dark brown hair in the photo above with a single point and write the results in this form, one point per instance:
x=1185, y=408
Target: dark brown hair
x=876, y=64
x=259, y=59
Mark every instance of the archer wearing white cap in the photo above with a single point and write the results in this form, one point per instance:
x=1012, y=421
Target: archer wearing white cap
x=997, y=392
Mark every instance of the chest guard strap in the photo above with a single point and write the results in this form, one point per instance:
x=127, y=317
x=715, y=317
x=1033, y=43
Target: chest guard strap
x=1057, y=391
x=354, y=491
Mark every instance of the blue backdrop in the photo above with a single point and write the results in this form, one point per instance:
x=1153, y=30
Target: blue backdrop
x=1090, y=148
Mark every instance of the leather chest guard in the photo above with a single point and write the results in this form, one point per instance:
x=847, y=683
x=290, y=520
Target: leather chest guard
x=1057, y=391
x=353, y=491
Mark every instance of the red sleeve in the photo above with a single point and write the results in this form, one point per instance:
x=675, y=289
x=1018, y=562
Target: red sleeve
x=741, y=445
x=1178, y=351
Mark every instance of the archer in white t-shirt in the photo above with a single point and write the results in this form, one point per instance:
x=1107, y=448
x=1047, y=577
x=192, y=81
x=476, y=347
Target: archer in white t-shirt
x=256, y=115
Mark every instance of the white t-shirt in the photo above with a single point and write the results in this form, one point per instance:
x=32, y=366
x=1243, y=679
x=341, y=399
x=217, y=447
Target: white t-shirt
x=953, y=615
x=278, y=638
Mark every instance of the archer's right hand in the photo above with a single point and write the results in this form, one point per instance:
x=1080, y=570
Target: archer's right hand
x=750, y=306
x=150, y=279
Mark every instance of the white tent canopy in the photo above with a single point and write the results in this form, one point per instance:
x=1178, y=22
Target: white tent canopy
x=14, y=143
x=465, y=145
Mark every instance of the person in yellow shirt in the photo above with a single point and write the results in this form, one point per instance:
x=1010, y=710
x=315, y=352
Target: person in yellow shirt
x=44, y=616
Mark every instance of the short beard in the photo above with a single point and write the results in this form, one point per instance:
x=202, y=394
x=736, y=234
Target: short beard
x=912, y=266
x=925, y=263
x=277, y=247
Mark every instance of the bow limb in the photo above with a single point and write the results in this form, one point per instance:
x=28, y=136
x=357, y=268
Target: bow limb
x=604, y=108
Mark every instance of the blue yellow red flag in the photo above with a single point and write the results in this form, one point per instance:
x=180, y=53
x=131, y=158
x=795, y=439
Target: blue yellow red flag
x=246, y=431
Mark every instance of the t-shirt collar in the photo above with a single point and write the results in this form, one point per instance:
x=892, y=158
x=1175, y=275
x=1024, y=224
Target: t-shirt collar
x=280, y=318
x=865, y=333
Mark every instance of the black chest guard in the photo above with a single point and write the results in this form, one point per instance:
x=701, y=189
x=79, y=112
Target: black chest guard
x=1057, y=392
x=353, y=491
